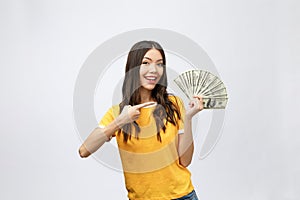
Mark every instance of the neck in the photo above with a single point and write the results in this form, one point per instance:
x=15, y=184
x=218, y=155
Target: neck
x=145, y=95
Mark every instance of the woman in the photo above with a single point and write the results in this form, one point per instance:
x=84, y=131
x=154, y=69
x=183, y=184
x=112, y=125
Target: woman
x=154, y=144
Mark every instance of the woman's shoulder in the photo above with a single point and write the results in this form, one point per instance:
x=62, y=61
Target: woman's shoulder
x=114, y=110
x=174, y=98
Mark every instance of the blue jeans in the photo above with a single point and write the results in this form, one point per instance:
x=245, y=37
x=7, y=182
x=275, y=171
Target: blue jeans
x=190, y=196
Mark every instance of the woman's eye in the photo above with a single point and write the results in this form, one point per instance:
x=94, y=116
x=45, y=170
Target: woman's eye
x=145, y=63
x=160, y=64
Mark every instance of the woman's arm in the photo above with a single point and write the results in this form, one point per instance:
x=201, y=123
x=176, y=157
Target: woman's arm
x=185, y=140
x=186, y=144
x=97, y=138
x=100, y=135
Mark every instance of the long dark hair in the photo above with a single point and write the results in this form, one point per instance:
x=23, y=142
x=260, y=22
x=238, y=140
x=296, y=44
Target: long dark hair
x=165, y=109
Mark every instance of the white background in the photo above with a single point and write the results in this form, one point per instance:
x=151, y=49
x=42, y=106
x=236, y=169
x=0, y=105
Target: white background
x=254, y=44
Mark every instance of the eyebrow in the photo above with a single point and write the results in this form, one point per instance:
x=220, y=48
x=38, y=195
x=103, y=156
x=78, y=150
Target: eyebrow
x=151, y=59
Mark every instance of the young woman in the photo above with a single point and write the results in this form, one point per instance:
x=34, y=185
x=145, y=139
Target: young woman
x=152, y=129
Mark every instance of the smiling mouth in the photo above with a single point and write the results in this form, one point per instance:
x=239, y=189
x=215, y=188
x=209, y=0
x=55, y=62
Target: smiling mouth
x=151, y=79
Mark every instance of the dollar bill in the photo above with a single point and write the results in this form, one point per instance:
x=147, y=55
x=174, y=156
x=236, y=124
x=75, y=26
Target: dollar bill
x=208, y=82
x=205, y=84
x=180, y=84
x=214, y=103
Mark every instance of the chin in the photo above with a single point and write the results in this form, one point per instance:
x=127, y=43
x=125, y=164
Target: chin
x=149, y=87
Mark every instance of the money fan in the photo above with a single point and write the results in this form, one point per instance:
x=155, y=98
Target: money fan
x=205, y=84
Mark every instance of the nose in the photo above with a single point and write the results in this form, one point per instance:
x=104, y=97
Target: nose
x=153, y=68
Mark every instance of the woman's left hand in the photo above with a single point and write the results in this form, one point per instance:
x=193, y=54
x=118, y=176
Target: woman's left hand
x=195, y=105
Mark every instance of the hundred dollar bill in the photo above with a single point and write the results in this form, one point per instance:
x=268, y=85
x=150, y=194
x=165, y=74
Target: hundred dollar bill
x=203, y=77
x=208, y=82
x=181, y=85
x=217, y=85
x=189, y=82
x=221, y=91
x=185, y=83
x=195, y=78
x=214, y=103
x=215, y=96
x=205, y=84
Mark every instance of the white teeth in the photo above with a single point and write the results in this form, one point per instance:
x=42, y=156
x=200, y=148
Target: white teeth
x=151, y=78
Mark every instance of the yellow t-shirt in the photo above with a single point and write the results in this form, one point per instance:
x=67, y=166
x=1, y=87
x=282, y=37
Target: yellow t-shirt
x=151, y=168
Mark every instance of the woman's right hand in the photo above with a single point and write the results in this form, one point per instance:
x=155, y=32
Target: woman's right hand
x=131, y=113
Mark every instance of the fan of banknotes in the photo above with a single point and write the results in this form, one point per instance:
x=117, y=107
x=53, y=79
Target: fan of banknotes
x=205, y=84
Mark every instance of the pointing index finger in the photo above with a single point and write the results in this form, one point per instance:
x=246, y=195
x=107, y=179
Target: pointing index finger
x=142, y=105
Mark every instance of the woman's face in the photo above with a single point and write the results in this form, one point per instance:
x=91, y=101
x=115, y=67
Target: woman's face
x=151, y=69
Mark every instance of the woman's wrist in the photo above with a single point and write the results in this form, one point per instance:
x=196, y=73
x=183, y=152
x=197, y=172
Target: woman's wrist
x=119, y=122
x=188, y=117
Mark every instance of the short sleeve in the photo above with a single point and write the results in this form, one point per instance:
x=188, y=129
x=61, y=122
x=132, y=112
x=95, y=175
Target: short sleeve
x=182, y=113
x=109, y=116
x=179, y=104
